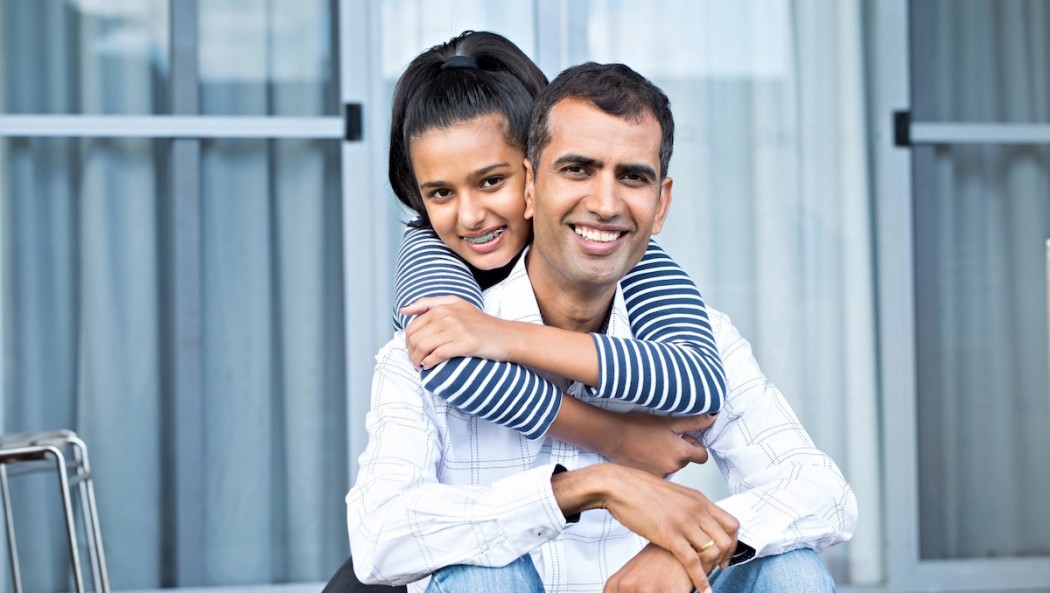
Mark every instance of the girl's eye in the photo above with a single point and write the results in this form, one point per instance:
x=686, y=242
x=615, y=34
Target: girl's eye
x=490, y=182
x=441, y=194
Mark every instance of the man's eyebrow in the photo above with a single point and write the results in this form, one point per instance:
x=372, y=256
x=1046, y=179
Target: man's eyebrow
x=577, y=159
x=636, y=169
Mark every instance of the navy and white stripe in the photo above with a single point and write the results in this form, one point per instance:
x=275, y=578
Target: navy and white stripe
x=678, y=372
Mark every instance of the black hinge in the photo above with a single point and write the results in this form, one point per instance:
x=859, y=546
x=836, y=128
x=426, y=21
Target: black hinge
x=902, y=128
x=353, y=126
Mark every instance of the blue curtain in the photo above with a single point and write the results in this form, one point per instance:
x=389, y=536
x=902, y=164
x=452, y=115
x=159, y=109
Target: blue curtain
x=87, y=252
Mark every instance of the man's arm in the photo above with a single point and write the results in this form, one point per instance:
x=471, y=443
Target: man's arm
x=786, y=493
x=680, y=520
x=403, y=524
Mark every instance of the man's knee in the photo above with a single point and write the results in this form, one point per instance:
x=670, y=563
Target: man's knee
x=798, y=570
x=519, y=575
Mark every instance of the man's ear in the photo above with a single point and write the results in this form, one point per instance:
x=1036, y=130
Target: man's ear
x=663, y=205
x=530, y=190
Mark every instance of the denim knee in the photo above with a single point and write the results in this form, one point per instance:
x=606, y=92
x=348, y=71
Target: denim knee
x=518, y=576
x=799, y=570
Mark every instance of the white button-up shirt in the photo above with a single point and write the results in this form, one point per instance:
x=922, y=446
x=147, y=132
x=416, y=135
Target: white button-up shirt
x=437, y=487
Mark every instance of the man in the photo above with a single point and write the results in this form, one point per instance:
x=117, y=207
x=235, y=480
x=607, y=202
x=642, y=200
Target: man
x=443, y=494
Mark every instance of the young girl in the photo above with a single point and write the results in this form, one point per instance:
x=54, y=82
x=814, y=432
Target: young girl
x=457, y=146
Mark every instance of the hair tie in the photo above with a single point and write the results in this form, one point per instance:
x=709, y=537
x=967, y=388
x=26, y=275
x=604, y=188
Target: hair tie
x=460, y=62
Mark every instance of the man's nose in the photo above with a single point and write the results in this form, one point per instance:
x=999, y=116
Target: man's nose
x=605, y=200
x=471, y=210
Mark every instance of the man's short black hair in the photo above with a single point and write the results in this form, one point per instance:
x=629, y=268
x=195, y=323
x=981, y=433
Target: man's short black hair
x=613, y=88
x=472, y=75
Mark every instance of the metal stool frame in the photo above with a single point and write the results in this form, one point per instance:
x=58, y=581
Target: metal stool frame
x=35, y=447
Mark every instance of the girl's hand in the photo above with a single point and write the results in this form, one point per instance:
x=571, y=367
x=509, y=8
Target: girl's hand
x=659, y=445
x=446, y=327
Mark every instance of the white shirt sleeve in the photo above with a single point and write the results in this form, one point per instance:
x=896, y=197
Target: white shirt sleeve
x=403, y=524
x=785, y=492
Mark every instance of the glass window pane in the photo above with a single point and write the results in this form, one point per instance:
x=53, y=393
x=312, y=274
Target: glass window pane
x=982, y=220
x=258, y=57
x=980, y=60
x=88, y=240
x=274, y=383
x=83, y=330
x=80, y=57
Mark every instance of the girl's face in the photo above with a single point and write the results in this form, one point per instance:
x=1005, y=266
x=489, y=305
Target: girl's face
x=473, y=185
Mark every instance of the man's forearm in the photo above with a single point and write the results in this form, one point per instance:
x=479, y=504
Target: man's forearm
x=582, y=489
x=678, y=519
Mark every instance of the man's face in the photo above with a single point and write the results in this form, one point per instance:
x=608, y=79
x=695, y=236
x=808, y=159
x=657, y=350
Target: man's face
x=596, y=195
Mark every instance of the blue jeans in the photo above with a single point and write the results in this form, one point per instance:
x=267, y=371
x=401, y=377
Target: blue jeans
x=519, y=576
x=800, y=571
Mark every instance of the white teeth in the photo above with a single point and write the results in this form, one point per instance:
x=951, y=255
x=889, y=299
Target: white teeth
x=596, y=235
x=486, y=237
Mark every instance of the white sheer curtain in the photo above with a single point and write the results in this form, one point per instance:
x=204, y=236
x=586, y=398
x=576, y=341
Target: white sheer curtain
x=87, y=263
x=984, y=217
x=771, y=204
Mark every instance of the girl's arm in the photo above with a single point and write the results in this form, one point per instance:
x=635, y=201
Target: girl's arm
x=507, y=394
x=426, y=267
x=673, y=365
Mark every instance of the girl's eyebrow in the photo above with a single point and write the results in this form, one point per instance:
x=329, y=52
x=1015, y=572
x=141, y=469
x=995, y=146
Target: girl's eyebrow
x=489, y=169
x=478, y=173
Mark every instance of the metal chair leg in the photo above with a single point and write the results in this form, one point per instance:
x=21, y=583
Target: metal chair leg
x=100, y=576
x=67, y=508
x=12, y=545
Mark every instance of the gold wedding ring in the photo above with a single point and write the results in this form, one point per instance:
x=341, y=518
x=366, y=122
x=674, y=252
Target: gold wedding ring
x=706, y=546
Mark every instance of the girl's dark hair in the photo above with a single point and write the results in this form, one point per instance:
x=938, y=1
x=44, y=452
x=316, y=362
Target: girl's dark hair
x=474, y=74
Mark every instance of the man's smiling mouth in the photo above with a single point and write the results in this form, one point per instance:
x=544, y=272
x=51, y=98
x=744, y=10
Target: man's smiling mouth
x=596, y=235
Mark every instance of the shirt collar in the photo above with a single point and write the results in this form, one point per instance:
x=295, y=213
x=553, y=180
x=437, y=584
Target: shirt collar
x=513, y=298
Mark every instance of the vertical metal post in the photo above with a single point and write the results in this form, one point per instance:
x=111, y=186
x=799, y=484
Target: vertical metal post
x=365, y=219
x=89, y=511
x=895, y=297
x=67, y=510
x=12, y=545
x=187, y=303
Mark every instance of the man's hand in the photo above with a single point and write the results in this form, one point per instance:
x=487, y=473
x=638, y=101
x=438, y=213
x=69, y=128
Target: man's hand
x=660, y=445
x=447, y=327
x=653, y=570
x=678, y=519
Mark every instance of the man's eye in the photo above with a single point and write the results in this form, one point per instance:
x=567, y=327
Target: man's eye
x=490, y=182
x=574, y=170
x=635, y=179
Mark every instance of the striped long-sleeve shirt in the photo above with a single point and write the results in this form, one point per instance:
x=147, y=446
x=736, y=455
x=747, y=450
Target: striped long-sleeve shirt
x=672, y=366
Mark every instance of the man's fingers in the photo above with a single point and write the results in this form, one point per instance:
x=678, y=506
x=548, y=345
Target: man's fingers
x=697, y=573
x=722, y=528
